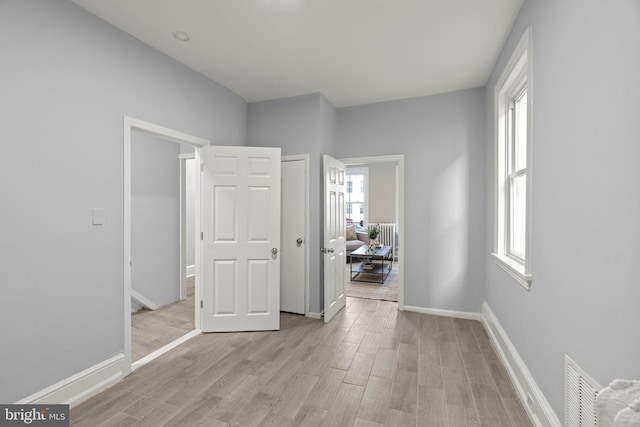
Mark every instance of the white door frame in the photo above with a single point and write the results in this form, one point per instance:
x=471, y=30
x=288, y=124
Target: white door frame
x=131, y=124
x=399, y=158
x=364, y=171
x=183, y=222
x=305, y=158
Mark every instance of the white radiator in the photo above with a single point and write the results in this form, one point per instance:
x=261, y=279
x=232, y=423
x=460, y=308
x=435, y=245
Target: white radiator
x=387, y=236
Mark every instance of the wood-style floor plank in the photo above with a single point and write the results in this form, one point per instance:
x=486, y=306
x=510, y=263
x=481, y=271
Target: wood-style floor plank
x=432, y=408
x=384, y=363
x=370, y=366
x=342, y=411
x=360, y=369
x=151, y=330
x=364, y=423
x=397, y=418
x=404, y=395
x=489, y=406
x=326, y=388
x=310, y=416
x=464, y=417
x=375, y=401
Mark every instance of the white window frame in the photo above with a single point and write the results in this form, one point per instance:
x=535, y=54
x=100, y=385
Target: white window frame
x=516, y=77
x=362, y=170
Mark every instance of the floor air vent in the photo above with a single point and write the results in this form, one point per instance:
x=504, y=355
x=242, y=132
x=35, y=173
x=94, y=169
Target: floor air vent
x=580, y=392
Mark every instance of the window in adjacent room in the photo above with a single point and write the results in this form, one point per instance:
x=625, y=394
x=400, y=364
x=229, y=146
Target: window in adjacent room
x=512, y=240
x=356, y=197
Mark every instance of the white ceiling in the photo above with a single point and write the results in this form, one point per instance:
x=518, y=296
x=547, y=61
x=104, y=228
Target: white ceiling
x=352, y=51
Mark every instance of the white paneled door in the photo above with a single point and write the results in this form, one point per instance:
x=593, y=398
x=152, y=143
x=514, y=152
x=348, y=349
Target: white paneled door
x=240, y=238
x=334, y=237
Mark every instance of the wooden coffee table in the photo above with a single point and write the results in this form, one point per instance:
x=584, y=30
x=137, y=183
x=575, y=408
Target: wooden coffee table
x=371, y=261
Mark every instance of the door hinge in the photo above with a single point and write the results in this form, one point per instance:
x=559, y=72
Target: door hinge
x=202, y=235
x=201, y=304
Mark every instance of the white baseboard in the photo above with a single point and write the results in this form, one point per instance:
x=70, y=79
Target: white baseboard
x=446, y=313
x=191, y=270
x=162, y=350
x=542, y=415
x=313, y=315
x=81, y=386
x=142, y=300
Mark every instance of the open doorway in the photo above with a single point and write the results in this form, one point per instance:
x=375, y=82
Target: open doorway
x=159, y=278
x=375, y=200
x=162, y=243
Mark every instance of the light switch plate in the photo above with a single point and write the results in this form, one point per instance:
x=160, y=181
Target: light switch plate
x=98, y=216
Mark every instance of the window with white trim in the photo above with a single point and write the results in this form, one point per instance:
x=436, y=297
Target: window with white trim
x=512, y=240
x=356, y=198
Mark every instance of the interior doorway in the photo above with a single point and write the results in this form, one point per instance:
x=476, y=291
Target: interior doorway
x=134, y=129
x=158, y=282
x=294, y=279
x=379, y=203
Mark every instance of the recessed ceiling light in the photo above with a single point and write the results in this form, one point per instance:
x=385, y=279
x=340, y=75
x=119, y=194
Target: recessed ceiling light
x=181, y=35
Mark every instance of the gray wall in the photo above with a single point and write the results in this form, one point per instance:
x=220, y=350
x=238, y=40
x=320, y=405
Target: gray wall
x=442, y=138
x=155, y=218
x=586, y=203
x=67, y=79
x=382, y=192
x=300, y=125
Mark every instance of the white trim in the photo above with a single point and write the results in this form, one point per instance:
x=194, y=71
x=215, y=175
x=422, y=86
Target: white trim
x=514, y=268
x=543, y=415
x=187, y=270
x=183, y=228
x=306, y=159
x=130, y=124
x=446, y=313
x=198, y=249
x=399, y=159
x=143, y=301
x=313, y=315
x=81, y=386
x=518, y=69
x=191, y=270
x=162, y=350
x=364, y=171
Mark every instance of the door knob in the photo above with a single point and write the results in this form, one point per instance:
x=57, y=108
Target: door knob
x=299, y=240
x=330, y=250
x=274, y=251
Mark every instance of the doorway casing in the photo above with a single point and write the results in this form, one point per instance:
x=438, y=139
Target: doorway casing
x=183, y=222
x=131, y=124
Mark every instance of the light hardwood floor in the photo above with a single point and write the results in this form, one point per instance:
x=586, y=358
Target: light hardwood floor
x=370, y=366
x=151, y=330
x=387, y=291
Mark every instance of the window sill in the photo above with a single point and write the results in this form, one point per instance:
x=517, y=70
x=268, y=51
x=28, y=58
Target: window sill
x=515, y=270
